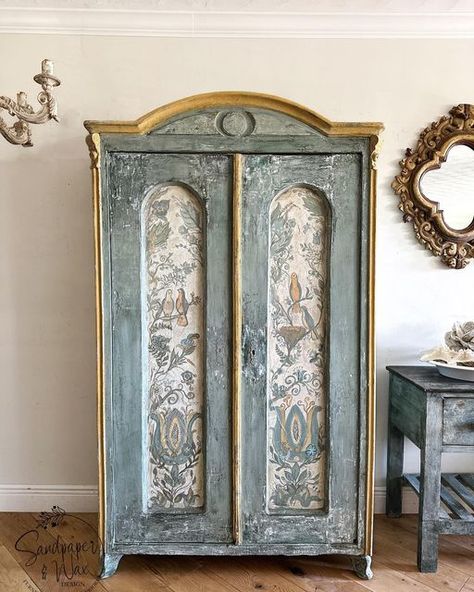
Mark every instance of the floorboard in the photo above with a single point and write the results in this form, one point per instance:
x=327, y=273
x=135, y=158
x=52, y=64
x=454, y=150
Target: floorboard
x=394, y=564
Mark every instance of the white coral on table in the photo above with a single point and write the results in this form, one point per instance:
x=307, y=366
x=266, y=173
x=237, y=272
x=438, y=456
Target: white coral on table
x=461, y=336
x=458, y=348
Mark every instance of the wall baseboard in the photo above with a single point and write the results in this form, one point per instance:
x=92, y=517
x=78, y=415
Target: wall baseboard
x=84, y=498
x=39, y=498
x=410, y=501
x=390, y=24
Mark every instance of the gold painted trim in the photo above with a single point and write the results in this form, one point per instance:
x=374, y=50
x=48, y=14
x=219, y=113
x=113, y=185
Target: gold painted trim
x=370, y=501
x=160, y=115
x=93, y=142
x=237, y=344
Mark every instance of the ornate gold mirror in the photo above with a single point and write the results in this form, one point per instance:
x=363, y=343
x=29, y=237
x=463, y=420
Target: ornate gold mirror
x=436, y=187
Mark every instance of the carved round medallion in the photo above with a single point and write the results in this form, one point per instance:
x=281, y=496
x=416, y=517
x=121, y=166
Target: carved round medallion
x=235, y=123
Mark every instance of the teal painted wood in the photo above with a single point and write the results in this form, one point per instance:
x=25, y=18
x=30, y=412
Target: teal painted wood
x=431, y=381
x=233, y=550
x=338, y=179
x=456, y=508
x=423, y=406
x=413, y=481
x=463, y=490
x=463, y=527
x=363, y=566
x=192, y=150
x=225, y=122
x=110, y=562
x=395, y=452
x=407, y=408
x=132, y=178
x=459, y=520
x=458, y=422
x=430, y=485
x=271, y=144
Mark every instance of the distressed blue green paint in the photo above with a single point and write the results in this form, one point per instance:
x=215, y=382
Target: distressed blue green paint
x=335, y=520
x=195, y=152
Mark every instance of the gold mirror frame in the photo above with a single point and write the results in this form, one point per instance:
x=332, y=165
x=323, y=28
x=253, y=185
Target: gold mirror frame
x=455, y=247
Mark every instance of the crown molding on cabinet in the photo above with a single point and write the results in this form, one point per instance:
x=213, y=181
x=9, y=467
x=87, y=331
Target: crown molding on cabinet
x=237, y=24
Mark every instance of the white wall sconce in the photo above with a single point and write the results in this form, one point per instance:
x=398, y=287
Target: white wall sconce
x=19, y=132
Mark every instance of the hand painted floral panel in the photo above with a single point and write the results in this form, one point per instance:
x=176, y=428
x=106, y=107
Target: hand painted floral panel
x=173, y=329
x=297, y=357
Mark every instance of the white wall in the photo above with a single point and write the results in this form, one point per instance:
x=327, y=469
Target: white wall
x=47, y=356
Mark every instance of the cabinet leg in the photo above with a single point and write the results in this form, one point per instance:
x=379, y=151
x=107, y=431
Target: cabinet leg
x=110, y=563
x=361, y=566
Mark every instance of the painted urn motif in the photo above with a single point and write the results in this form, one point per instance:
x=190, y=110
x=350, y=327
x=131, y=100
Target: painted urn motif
x=295, y=435
x=173, y=440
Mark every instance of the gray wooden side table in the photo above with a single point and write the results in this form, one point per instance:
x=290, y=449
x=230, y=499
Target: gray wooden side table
x=436, y=414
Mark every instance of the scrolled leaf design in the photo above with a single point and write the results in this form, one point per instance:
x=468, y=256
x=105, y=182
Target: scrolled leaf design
x=173, y=228
x=299, y=229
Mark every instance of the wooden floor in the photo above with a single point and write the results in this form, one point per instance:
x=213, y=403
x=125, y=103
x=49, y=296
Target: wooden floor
x=394, y=564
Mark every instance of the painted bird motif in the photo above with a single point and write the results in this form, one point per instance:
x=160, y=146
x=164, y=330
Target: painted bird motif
x=308, y=322
x=160, y=208
x=168, y=304
x=182, y=306
x=188, y=344
x=295, y=293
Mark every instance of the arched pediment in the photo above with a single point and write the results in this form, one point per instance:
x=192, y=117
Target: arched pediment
x=234, y=114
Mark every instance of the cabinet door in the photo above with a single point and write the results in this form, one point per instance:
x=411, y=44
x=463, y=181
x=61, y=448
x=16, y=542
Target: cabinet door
x=168, y=436
x=301, y=348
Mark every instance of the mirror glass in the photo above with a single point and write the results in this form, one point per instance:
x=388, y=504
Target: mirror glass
x=452, y=186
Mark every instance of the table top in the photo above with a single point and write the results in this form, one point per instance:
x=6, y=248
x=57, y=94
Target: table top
x=429, y=379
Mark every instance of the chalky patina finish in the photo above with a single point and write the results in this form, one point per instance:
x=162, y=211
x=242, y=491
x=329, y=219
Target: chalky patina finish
x=320, y=500
x=194, y=454
x=437, y=414
x=160, y=492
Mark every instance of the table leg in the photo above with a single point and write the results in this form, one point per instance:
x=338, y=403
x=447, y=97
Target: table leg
x=396, y=445
x=430, y=485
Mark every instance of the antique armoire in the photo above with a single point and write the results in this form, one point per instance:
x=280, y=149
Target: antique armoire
x=234, y=241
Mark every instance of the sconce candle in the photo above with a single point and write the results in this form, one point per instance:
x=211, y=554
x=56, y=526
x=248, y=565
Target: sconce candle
x=47, y=67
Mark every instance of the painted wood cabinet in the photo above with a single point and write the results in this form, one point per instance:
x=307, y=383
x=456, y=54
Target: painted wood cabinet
x=234, y=258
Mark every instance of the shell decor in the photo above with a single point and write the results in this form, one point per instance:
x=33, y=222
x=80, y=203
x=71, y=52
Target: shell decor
x=458, y=348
